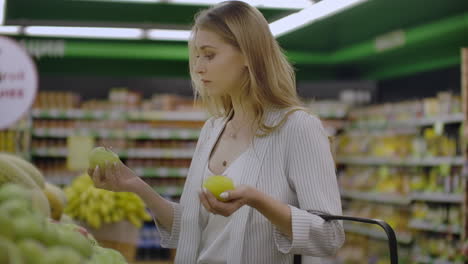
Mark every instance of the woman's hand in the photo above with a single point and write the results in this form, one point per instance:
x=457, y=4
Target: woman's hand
x=234, y=199
x=114, y=177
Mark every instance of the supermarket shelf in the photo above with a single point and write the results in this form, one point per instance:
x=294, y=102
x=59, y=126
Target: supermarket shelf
x=60, y=180
x=429, y=260
x=173, y=134
x=437, y=197
x=375, y=233
x=169, y=190
x=384, y=124
x=401, y=200
x=167, y=115
x=161, y=172
x=62, y=152
x=118, y=115
x=377, y=197
x=429, y=161
x=439, y=228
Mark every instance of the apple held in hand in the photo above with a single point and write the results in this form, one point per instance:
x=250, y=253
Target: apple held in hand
x=101, y=155
x=218, y=184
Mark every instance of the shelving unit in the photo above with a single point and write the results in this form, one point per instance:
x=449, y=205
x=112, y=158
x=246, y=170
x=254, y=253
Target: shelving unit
x=386, y=156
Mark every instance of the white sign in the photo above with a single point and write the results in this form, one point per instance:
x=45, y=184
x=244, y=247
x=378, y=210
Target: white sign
x=18, y=82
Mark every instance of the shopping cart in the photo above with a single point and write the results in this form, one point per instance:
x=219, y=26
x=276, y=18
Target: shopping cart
x=392, y=242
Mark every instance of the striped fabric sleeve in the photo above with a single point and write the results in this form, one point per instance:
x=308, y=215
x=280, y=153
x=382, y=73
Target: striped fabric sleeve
x=311, y=235
x=170, y=238
x=311, y=172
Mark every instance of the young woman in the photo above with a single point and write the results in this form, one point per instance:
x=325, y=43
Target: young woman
x=277, y=154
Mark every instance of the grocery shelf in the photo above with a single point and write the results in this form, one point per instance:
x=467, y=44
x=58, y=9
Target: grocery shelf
x=377, y=197
x=417, y=122
x=161, y=172
x=402, y=200
x=437, y=197
x=171, y=134
x=167, y=115
x=376, y=233
x=118, y=115
x=439, y=228
x=169, y=190
x=62, y=152
x=429, y=260
x=429, y=161
x=60, y=180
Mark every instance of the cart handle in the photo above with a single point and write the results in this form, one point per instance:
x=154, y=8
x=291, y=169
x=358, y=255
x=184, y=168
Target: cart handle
x=392, y=242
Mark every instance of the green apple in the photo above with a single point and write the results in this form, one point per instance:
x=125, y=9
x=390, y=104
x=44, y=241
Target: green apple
x=28, y=227
x=50, y=235
x=101, y=155
x=33, y=251
x=7, y=229
x=61, y=255
x=11, y=191
x=106, y=256
x=218, y=184
x=9, y=252
x=15, y=208
x=76, y=241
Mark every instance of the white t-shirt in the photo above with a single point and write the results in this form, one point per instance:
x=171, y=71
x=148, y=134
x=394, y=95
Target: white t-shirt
x=215, y=236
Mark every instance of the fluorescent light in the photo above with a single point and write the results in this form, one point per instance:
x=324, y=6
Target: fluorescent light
x=291, y=4
x=9, y=30
x=166, y=34
x=2, y=12
x=85, y=32
x=306, y=16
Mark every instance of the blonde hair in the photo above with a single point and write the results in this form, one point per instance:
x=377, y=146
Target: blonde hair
x=269, y=80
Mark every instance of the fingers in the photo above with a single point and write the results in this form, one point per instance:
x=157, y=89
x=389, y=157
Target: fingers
x=204, y=201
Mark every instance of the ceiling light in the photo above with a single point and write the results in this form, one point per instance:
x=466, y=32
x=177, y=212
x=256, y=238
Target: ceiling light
x=306, y=16
x=85, y=32
x=9, y=30
x=165, y=34
x=2, y=12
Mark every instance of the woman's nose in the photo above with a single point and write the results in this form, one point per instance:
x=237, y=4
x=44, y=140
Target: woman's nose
x=200, y=68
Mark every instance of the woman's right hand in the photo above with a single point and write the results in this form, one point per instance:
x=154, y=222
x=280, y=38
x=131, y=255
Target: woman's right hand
x=114, y=177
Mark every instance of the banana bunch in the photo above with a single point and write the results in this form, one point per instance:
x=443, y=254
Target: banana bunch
x=96, y=206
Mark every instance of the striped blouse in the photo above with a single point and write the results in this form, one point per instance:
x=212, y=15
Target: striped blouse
x=294, y=165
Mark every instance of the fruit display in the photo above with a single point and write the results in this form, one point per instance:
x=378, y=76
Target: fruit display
x=444, y=104
x=396, y=145
x=217, y=184
x=27, y=236
x=96, y=207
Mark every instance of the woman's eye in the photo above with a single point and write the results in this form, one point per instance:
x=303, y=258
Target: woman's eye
x=209, y=56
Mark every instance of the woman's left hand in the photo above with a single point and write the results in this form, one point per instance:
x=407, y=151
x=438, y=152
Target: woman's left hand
x=242, y=195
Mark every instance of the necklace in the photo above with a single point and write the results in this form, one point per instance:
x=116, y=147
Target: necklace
x=232, y=135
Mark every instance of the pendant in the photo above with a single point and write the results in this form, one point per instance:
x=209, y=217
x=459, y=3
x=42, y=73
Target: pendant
x=224, y=163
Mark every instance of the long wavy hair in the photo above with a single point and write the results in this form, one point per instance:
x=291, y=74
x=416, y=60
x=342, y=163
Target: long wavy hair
x=268, y=81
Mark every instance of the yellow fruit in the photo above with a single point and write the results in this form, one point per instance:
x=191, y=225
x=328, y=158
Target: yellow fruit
x=56, y=205
x=27, y=167
x=101, y=155
x=9, y=253
x=218, y=184
x=9, y=172
x=40, y=201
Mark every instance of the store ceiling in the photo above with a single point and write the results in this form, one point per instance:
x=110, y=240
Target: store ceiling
x=427, y=34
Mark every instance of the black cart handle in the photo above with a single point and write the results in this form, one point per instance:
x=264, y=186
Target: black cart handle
x=392, y=241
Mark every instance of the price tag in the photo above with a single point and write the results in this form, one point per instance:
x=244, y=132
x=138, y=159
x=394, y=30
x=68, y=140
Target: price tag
x=78, y=151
